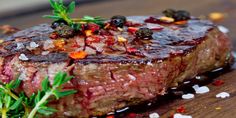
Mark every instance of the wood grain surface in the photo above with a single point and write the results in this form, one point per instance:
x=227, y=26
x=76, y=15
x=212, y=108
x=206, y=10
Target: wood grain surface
x=202, y=106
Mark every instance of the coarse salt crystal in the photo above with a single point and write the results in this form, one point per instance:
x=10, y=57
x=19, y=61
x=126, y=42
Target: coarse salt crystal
x=188, y=96
x=19, y=46
x=195, y=87
x=132, y=77
x=222, y=95
x=154, y=115
x=33, y=45
x=178, y=115
x=149, y=63
x=186, y=82
x=45, y=52
x=23, y=57
x=202, y=90
x=126, y=108
x=223, y=29
x=48, y=44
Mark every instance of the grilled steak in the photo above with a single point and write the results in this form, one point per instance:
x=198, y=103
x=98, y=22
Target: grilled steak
x=116, y=73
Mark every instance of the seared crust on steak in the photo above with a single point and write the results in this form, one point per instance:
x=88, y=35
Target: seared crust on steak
x=111, y=77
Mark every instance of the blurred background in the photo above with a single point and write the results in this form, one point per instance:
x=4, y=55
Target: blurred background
x=26, y=13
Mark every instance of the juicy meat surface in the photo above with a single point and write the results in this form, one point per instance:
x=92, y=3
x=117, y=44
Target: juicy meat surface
x=114, y=76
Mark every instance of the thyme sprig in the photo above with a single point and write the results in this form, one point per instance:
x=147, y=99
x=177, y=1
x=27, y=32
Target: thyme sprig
x=15, y=106
x=63, y=12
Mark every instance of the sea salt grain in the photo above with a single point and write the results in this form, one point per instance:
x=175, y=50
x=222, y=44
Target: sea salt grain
x=188, y=96
x=23, y=57
x=202, y=90
x=223, y=29
x=178, y=115
x=33, y=45
x=154, y=115
x=19, y=46
x=222, y=95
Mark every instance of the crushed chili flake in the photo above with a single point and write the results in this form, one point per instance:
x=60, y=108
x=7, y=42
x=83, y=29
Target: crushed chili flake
x=93, y=27
x=78, y=55
x=181, y=109
x=131, y=50
x=107, y=25
x=218, y=82
x=60, y=43
x=93, y=39
x=110, y=40
x=181, y=22
x=132, y=24
x=53, y=35
x=132, y=30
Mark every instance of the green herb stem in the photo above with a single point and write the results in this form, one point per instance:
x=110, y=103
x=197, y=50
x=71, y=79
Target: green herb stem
x=4, y=113
x=7, y=91
x=36, y=108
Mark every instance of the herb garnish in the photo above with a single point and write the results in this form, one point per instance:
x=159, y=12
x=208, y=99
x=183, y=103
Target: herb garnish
x=15, y=106
x=62, y=12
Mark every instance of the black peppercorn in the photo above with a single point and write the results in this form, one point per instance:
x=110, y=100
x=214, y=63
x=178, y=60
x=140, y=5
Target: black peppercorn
x=57, y=23
x=144, y=33
x=65, y=31
x=118, y=21
x=181, y=15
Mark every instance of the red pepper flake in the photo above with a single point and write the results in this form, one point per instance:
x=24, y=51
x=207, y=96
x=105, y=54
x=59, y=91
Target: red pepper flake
x=53, y=35
x=131, y=50
x=112, y=116
x=78, y=55
x=93, y=27
x=132, y=30
x=93, y=39
x=132, y=24
x=60, y=43
x=110, y=40
x=181, y=109
x=218, y=82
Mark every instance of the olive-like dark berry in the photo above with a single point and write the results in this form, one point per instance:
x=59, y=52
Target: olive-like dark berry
x=57, y=23
x=181, y=15
x=118, y=21
x=65, y=31
x=144, y=33
x=169, y=13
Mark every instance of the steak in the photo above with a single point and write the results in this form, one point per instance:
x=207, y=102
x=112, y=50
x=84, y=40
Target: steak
x=114, y=75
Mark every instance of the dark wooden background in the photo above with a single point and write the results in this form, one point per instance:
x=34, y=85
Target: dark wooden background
x=203, y=106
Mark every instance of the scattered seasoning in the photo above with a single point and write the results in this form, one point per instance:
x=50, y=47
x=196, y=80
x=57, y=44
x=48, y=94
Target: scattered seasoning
x=144, y=33
x=218, y=82
x=133, y=78
x=19, y=46
x=88, y=32
x=23, y=57
x=179, y=15
x=223, y=95
x=59, y=43
x=45, y=52
x=33, y=45
x=93, y=39
x=178, y=115
x=181, y=109
x=156, y=27
x=223, y=29
x=167, y=19
x=187, y=96
x=154, y=115
x=110, y=40
x=181, y=22
x=132, y=30
x=118, y=21
x=202, y=90
x=121, y=39
x=216, y=16
x=131, y=50
x=78, y=55
x=122, y=110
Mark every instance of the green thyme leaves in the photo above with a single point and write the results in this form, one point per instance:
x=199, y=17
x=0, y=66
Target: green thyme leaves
x=14, y=105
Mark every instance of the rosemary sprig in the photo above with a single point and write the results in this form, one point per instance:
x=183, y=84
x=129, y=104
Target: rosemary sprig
x=62, y=12
x=15, y=106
